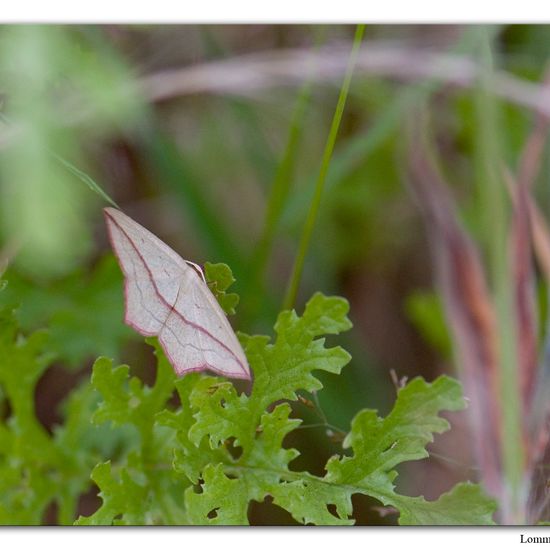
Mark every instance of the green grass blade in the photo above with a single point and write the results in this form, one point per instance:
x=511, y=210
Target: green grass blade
x=319, y=187
x=85, y=178
x=357, y=148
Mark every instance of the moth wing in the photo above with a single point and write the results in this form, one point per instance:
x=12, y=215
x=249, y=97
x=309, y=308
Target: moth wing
x=198, y=336
x=152, y=272
x=165, y=297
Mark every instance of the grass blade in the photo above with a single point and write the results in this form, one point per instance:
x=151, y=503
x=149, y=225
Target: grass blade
x=85, y=178
x=327, y=155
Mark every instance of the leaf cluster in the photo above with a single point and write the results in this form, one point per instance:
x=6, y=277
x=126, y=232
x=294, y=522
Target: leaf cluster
x=204, y=461
x=197, y=451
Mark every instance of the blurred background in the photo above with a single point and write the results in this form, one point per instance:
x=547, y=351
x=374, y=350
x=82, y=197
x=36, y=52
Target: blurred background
x=212, y=138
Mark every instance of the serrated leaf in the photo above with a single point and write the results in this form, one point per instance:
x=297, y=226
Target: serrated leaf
x=22, y=362
x=268, y=451
x=465, y=504
x=378, y=445
x=283, y=368
x=124, y=496
x=309, y=498
x=229, y=446
x=381, y=444
x=111, y=383
x=220, y=278
x=280, y=370
x=222, y=415
x=128, y=402
x=126, y=399
x=223, y=501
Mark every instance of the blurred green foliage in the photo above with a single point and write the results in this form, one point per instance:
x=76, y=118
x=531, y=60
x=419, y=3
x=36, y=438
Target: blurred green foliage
x=38, y=469
x=82, y=311
x=55, y=77
x=426, y=312
x=228, y=178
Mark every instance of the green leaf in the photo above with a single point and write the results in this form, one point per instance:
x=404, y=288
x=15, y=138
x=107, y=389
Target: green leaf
x=125, y=496
x=280, y=370
x=204, y=461
x=22, y=362
x=225, y=420
x=84, y=313
x=37, y=468
x=308, y=500
x=223, y=501
x=112, y=384
x=378, y=445
x=127, y=402
x=381, y=444
x=220, y=278
x=465, y=504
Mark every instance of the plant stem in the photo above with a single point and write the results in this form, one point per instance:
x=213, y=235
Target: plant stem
x=327, y=155
x=494, y=211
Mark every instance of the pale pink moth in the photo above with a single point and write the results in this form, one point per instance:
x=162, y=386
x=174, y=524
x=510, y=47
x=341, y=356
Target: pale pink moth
x=167, y=296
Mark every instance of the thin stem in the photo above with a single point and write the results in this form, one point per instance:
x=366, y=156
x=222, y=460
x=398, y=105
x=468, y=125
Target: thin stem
x=322, y=425
x=309, y=224
x=319, y=409
x=449, y=460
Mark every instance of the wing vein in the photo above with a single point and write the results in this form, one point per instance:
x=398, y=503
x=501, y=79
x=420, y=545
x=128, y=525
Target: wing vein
x=172, y=307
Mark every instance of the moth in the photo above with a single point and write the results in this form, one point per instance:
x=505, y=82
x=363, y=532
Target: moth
x=168, y=297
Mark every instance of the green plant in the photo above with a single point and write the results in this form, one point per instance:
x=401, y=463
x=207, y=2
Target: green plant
x=203, y=460
x=171, y=451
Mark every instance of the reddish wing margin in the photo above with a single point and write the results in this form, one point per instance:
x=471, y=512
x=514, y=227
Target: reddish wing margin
x=166, y=298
